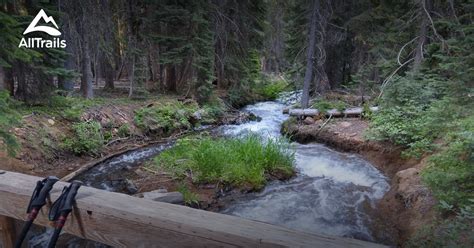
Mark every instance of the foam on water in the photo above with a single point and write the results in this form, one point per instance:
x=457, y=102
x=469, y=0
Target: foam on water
x=330, y=193
x=106, y=175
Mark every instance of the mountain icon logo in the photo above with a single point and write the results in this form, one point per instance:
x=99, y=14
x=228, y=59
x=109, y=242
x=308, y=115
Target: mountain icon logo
x=34, y=27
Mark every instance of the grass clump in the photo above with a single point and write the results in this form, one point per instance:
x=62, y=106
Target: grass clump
x=164, y=118
x=190, y=198
x=238, y=162
x=87, y=138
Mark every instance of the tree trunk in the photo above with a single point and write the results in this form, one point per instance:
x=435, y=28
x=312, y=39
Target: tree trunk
x=131, y=76
x=109, y=74
x=2, y=79
x=310, y=56
x=422, y=35
x=67, y=84
x=86, y=80
x=171, y=78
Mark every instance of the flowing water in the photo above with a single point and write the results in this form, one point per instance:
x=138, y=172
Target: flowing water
x=108, y=175
x=330, y=194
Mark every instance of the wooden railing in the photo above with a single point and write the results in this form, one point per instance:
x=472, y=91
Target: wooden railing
x=121, y=220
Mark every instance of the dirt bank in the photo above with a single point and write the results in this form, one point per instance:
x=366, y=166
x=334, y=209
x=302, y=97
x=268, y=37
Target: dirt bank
x=408, y=205
x=41, y=137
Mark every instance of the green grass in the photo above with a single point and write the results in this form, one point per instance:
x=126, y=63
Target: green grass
x=190, y=198
x=238, y=162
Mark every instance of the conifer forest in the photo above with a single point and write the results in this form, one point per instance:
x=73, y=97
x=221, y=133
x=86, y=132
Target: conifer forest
x=347, y=119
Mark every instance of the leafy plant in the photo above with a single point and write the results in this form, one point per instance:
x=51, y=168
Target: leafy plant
x=124, y=130
x=165, y=117
x=87, y=138
x=452, y=232
x=270, y=88
x=450, y=174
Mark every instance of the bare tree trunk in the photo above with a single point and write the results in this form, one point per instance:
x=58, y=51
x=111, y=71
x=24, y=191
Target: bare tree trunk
x=131, y=76
x=219, y=47
x=2, y=78
x=86, y=80
x=422, y=35
x=69, y=64
x=310, y=56
x=171, y=78
x=109, y=74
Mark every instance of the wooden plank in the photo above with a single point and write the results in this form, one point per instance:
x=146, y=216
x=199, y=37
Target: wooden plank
x=7, y=231
x=124, y=221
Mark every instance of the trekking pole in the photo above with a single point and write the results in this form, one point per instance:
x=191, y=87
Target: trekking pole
x=61, y=209
x=37, y=201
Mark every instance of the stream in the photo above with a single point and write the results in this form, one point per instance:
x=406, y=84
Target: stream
x=331, y=193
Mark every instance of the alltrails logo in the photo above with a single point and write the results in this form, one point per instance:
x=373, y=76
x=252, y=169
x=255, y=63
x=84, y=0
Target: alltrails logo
x=40, y=42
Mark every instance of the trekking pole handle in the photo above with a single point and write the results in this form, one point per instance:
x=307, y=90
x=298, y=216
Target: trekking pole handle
x=70, y=198
x=40, y=200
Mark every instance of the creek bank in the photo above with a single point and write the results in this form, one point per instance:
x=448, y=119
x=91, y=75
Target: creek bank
x=41, y=135
x=408, y=205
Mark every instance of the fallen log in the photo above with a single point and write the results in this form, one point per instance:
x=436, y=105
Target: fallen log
x=350, y=112
x=303, y=112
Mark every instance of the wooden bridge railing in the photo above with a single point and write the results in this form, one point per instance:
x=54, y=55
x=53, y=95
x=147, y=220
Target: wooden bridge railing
x=124, y=221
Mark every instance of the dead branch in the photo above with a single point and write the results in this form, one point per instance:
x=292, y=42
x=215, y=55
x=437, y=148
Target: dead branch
x=403, y=47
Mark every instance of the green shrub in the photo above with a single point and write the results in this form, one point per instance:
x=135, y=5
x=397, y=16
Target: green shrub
x=238, y=162
x=452, y=232
x=239, y=96
x=165, y=117
x=213, y=110
x=450, y=174
x=271, y=89
x=8, y=118
x=123, y=131
x=87, y=138
x=404, y=126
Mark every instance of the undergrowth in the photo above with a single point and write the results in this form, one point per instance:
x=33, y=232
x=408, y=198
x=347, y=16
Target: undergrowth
x=8, y=118
x=165, y=117
x=87, y=138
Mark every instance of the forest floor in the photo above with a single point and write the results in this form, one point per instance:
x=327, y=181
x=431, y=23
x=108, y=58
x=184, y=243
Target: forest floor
x=408, y=205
